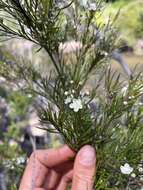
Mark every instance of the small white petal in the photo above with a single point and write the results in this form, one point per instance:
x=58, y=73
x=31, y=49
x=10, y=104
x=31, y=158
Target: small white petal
x=76, y=109
x=68, y=100
x=71, y=105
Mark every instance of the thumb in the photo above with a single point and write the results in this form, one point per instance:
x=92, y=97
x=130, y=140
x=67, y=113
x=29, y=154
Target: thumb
x=84, y=169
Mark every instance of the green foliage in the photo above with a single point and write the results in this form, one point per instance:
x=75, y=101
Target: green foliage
x=114, y=127
x=133, y=22
x=129, y=21
x=19, y=102
x=3, y=92
x=12, y=157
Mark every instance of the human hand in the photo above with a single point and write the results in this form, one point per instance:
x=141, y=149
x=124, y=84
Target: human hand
x=55, y=169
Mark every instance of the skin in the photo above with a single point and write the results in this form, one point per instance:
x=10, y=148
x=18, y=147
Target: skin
x=55, y=169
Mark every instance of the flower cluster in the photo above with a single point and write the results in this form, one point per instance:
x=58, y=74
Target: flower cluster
x=140, y=170
x=76, y=103
x=11, y=164
x=128, y=170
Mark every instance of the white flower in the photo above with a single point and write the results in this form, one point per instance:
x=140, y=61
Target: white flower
x=20, y=160
x=125, y=102
x=66, y=93
x=12, y=167
x=126, y=169
x=140, y=169
x=76, y=105
x=29, y=95
x=133, y=175
x=104, y=53
x=131, y=97
x=92, y=7
x=68, y=100
x=71, y=81
x=73, y=91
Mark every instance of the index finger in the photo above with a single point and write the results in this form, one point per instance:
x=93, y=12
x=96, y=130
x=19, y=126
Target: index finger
x=53, y=157
x=39, y=162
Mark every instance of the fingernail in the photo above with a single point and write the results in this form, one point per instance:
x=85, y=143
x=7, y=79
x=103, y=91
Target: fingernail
x=87, y=156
